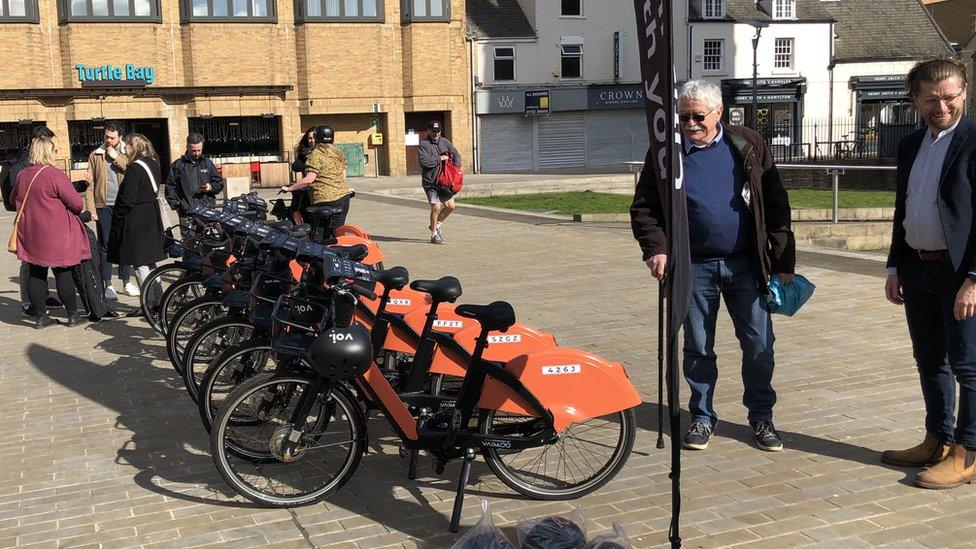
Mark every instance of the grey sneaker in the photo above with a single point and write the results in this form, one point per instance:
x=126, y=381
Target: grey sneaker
x=697, y=436
x=766, y=436
x=436, y=238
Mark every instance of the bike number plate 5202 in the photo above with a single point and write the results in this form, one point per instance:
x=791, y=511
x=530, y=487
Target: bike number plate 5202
x=562, y=369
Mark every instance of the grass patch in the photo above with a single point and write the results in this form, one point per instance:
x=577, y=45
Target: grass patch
x=589, y=202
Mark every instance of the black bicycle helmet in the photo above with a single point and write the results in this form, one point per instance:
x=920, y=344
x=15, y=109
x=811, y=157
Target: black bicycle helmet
x=324, y=134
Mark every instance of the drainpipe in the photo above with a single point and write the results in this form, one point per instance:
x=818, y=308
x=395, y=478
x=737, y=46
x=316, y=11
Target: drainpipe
x=830, y=94
x=691, y=44
x=475, y=154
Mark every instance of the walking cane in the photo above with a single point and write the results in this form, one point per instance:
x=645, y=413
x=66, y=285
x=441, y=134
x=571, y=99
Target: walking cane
x=660, y=365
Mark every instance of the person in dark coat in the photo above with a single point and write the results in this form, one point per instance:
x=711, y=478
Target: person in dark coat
x=137, y=229
x=194, y=180
x=301, y=199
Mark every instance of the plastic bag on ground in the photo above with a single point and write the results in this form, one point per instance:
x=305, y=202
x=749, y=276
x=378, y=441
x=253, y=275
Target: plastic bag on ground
x=553, y=532
x=617, y=539
x=484, y=534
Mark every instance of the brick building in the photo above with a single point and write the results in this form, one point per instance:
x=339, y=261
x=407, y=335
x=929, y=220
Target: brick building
x=248, y=74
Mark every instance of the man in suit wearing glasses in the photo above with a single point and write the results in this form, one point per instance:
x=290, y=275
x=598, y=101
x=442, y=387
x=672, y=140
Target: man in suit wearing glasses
x=740, y=235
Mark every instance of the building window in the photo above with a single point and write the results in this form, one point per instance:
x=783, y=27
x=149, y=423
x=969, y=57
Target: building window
x=571, y=62
x=426, y=10
x=784, y=9
x=783, y=54
x=713, y=9
x=14, y=11
x=340, y=10
x=713, y=56
x=504, y=64
x=229, y=10
x=239, y=138
x=109, y=10
x=572, y=8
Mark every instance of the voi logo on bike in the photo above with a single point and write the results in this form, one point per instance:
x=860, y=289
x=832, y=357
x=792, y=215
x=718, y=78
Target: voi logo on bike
x=561, y=369
x=337, y=337
x=508, y=338
x=448, y=324
x=403, y=302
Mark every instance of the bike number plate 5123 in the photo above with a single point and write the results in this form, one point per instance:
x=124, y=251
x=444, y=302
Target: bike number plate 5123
x=562, y=369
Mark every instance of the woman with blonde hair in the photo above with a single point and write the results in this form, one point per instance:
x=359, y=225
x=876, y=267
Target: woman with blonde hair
x=137, y=229
x=49, y=232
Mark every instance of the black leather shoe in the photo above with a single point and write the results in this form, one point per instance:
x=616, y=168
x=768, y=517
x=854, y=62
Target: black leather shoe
x=44, y=322
x=75, y=319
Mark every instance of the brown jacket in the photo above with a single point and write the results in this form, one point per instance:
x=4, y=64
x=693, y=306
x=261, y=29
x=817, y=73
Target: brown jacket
x=768, y=201
x=98, y=164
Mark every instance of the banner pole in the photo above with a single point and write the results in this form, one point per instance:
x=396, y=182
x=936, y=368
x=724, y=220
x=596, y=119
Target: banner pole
x=660, y=364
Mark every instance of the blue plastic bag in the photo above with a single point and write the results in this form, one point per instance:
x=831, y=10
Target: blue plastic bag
x=786, y=299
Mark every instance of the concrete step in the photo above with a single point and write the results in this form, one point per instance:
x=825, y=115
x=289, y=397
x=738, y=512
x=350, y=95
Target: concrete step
x=617, y=184
x=869, y=236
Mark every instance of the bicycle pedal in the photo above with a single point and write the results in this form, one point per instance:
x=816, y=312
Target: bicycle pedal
x=439, y=467
x=403, y=451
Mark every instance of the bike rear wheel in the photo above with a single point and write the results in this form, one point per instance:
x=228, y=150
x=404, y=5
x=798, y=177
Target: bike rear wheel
x=207, y=344
x=153, y=288
x=186, y=322
x=585, y=457
x=327, y=451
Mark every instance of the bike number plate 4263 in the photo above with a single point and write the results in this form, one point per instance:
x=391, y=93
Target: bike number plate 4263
x=562, y=369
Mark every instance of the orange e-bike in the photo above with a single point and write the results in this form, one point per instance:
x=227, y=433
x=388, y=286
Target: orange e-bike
x=553, y=425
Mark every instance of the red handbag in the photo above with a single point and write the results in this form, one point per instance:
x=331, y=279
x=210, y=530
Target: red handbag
x=451, y=176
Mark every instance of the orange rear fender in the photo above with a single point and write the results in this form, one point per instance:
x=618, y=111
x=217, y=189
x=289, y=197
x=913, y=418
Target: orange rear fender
x=502, y=347
x=373, y=257
x=573, y=385
x=352, y=230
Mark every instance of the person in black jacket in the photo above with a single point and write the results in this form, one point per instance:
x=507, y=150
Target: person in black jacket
x=16, y=166
x=932, y=270
x=300, y=198
x=136, y=237
x=193, y=179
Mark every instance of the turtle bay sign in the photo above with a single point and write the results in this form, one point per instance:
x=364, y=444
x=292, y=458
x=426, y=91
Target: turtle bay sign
x=114, y=76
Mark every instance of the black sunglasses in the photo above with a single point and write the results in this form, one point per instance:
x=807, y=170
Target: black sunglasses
x=684, y=117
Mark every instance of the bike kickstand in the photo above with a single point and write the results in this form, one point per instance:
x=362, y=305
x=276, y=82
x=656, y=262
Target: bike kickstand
x=462, y=483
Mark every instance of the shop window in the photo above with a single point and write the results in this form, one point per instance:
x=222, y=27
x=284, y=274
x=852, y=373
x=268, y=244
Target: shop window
x=571, y=61
x=713, y=9
x=340, y=10
x=239, y=138
x=109, y=10
x=18, y=11
x=783, y=54
x=14, y=137
x=426, y=10
x=504, y=64
x=229, y=10
x=571, y=8
x=784, y=9
x=713, y=56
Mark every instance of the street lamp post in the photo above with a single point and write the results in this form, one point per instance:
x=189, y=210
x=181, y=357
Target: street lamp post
x=755, y=73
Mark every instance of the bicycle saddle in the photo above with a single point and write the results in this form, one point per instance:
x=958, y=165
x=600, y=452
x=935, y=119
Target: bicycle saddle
x=496, y=316
x=299, y=231
x=357, y=252
x=447, y=288
x=318, y=211
x=394, y=278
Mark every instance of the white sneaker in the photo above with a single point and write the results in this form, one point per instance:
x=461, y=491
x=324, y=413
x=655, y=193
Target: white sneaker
x=131, y=289
x=110, y=294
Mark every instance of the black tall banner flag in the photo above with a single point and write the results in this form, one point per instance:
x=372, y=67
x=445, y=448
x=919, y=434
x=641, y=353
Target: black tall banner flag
x=659, y=211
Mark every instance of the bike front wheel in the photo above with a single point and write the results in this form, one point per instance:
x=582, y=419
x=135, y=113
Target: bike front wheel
x=191, y=317
x=231, y=368
x=207, y=344
x=176, y=296
x=323, y=452
x=151, y=292
x=584, y=457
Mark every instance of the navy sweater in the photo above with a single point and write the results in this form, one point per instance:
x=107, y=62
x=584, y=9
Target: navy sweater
x=719, y=222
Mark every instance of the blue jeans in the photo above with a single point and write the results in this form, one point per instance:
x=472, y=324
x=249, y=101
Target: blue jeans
x=944, y=348
x=735, y=280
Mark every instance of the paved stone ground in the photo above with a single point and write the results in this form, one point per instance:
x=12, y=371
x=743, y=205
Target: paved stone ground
x=100, y=445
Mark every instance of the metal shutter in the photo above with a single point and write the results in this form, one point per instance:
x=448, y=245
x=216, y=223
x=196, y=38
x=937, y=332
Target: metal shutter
x=608, y=140
x=562, y=140
x=506, y=143
x=640, y=139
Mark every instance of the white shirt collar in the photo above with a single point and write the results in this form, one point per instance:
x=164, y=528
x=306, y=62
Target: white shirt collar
x=943, y=134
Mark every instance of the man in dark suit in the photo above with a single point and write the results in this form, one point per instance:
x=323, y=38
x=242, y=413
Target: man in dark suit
x=932, y=270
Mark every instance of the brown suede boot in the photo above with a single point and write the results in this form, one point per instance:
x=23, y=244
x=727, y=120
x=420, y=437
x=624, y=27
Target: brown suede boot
x=929, y=452
x=959, y=468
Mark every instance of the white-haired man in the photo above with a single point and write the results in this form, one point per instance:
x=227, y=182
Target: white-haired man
x=739, y=234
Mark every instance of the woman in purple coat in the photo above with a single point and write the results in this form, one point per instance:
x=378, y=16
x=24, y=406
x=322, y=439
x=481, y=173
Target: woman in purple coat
x=50, y=234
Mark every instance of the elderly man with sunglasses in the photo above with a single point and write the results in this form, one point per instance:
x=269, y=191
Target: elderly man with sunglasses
x=739, y=232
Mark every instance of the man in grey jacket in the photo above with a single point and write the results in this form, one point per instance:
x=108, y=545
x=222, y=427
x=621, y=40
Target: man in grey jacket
x=434, y=150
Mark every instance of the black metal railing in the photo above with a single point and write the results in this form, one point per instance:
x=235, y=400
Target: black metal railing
x=840, y=140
